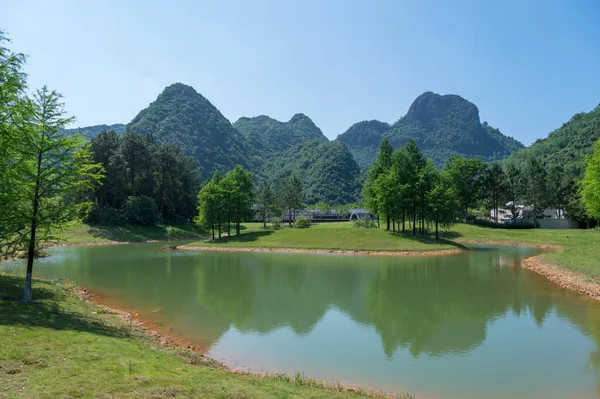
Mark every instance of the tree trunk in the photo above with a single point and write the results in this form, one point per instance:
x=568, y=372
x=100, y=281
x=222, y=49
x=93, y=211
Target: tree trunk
x=264, y=218
x=388, y=223
x=393, y=225
x=437, y=235
x=414, y=226
x=290, y=217
x=403, y=220
x=466, y=213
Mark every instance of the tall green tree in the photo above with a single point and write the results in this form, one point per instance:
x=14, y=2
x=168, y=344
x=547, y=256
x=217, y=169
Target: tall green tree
x=493, y=187
x=293, y=197
x=464, y=174
x=15, y=112
x=381, y=165
x=58, y=169
x=590, y=192
x=265, y=200
x=534, y=185
x=442, y=202
x=238, y=187
x=210, y=204
x=513, y=187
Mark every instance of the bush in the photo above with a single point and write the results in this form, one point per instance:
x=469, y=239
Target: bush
x=276, y=223
x=141, y=210
x=302, y=222
x=510, y=225
x=105, y=215
x=365, y=223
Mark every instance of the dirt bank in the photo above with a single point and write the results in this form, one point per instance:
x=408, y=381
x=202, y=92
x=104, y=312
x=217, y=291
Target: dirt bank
x=508, y=243
x=321, y=251
x=568, y=279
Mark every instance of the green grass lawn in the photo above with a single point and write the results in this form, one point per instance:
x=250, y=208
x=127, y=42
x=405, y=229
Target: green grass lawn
x=87, y=234
x=581, y=247
x=330, y=236
x=62, y=347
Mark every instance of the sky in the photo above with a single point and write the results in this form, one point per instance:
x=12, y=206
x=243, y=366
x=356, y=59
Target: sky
x=528, y=65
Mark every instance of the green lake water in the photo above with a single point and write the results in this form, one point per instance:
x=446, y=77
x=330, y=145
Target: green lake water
x=472, y=325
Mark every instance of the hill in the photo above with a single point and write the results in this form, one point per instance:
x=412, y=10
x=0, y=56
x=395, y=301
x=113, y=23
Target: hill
x=89, y=132
x=442, y=126
x=182, y=116
x=567, y=146
x=267, y=135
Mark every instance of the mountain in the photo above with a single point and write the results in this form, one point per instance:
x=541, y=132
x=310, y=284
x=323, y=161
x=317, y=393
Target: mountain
x=442, y=126
x=268, y=135
x=567, y=146
x=89, y=132
x=182, y=116
x=363, y=139
x=327, y=170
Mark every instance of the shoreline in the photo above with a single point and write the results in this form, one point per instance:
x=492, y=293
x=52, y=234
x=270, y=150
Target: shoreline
x=324, y=251
x=508, y=243
x=568, y=279
x=156, y=333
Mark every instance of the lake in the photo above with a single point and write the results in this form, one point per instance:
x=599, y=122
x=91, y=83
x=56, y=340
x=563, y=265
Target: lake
x=470, y=325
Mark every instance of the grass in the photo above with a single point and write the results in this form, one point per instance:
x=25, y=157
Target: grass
x=60, y=346
x=581, y=251
x=90, y=234
x=329, y=236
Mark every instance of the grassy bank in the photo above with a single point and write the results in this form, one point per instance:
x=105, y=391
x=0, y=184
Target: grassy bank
x=580, y=253
x=60, y=346
x=328, y=236
x=89, y=234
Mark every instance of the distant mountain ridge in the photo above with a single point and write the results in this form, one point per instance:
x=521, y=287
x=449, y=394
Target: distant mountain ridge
x=90, y=132
x=442, y=126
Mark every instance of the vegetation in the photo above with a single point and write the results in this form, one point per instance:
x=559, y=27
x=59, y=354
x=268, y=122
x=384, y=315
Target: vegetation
x=60, y=346
x=225, y=201
x=165, y=180
x=302, y=222
x=590, y=193
x=329, y=236
x=89, y=132
x=442, y=126
x=183, y=117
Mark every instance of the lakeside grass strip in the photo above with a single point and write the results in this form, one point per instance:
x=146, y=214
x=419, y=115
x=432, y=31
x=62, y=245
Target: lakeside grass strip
x=62, y=345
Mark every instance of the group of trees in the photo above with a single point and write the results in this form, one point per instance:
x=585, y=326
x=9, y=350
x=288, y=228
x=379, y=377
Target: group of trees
x=44, y=174
x=226, y=200
x=144, y=180
x=281, y=197
x=404, y=188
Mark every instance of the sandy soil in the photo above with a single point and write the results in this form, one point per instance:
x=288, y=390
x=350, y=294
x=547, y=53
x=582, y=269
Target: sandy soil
x=321, y=251
x=509, y=243
x=568, y=279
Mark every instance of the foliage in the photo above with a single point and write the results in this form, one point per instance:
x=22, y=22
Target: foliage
x=292, y=196
x=590, y=193
x=276, y=223
x=302, y=222
x=105, y=215
x=464, y=175
x=265, y=199
x=183, y=117
x=136, y=165
x=141, y=210
x=365, y=223
x=512, y=225
x=442, y=126
x=534, y=185
x=89, y=132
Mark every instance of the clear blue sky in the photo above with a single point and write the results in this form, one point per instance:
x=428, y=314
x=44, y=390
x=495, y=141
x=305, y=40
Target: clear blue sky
x=528, y=65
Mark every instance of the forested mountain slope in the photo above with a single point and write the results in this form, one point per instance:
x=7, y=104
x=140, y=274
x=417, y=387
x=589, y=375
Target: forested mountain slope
x=184, y=117
x=442, y=127
x=90, y=132
x=567, y=146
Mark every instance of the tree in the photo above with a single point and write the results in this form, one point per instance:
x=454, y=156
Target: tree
x=513, y=187
x=534, y=185
x=264, y=200
x=14, y=114
x=464, y=174
x=57, y=169
x=323, y=207
x=590, y=192
x=559, y=185
x=381, y=165
x=238, y=187
x=415, y=162
x=442, y=202
x=136, y=154
x=293, y=196
x=210, y=204
x=493, y=187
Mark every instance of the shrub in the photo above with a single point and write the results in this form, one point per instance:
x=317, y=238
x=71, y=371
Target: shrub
x=141, y=210
x=510, y=225
x=302, y=222
x=365, y=223
x=105, y=215
x=276, y=223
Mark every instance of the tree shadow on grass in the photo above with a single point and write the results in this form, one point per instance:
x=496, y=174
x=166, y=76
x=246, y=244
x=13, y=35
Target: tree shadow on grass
x=130, y=233
x=443, y=240
x=247, y=237
x=45, y=311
